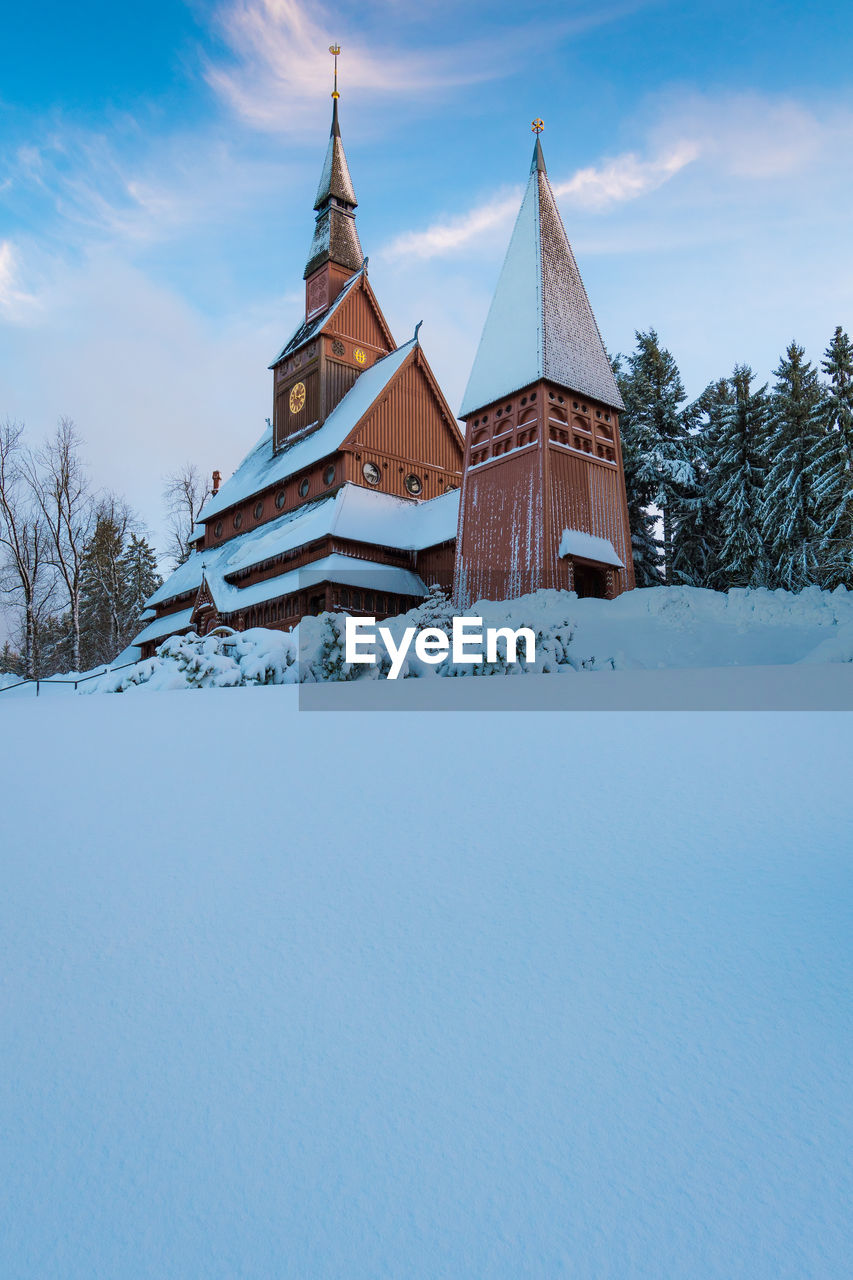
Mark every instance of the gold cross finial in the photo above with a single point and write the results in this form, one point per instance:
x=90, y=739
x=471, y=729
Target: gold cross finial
x=538, y=125
x=334, y=50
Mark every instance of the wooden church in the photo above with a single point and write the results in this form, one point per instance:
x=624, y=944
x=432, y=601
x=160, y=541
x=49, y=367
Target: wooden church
x=354, y=495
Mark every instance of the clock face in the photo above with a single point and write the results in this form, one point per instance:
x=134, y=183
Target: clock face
x=297, y=397
x=359, y=355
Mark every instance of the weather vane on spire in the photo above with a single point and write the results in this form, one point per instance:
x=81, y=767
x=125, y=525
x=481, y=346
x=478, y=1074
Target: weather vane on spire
x=538, y=125
x=334, y=50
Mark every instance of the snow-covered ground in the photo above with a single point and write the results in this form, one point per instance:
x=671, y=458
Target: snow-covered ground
x=356, y=995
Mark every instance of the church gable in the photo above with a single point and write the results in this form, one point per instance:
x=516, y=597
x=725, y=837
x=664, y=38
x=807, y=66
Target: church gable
x=411, y=422
x=359, y=322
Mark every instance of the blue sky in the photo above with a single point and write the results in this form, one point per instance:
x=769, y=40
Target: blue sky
x=158, y=167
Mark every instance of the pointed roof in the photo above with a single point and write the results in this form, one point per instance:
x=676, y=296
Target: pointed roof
x=540, y=324
x=335, y=235
x=335, y=179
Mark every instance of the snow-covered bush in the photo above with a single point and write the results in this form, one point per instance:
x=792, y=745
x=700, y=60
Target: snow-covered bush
x=647, y=628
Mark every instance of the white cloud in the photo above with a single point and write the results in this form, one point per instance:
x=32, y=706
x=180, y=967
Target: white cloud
x=625, y=178
x=283, y=69
x=280, y=68
x=455, y=233
x=16, y=305
x=613, y=182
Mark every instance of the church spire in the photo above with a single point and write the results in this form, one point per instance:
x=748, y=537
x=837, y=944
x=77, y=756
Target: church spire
x=540, y=324
x=335, y=235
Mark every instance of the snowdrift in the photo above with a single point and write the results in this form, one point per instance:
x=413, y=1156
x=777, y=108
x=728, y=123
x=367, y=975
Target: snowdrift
x=655, y=628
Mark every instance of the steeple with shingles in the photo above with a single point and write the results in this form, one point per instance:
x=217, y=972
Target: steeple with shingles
x=335, y=235
x=540, y=324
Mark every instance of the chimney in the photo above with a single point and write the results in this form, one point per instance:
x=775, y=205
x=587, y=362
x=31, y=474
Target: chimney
x=217, y=481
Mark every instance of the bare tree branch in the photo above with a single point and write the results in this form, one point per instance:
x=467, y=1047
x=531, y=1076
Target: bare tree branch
x=59, y=483
x=184, y=495
x=25, y=576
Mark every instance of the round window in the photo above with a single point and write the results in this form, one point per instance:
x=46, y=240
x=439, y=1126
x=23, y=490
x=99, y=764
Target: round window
x=304, y=487
x=217, y=529
x=371, y=473
x=238, y=519
x=279, y=499
x=414, y=484
x=329, y=474
x=259, y=510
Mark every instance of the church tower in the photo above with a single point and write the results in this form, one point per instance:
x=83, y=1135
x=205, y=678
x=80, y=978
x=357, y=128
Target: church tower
x=543, y=495
x=344, y=331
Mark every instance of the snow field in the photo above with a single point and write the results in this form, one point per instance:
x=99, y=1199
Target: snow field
x=304, y=995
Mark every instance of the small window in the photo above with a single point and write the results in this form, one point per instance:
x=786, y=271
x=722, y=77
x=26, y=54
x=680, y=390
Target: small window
x=414, y=484
x=329, y=474
x=259, y=510
x=217, y=529
x=279, y=499
x=371, y=473
x=304, y=487
x=238, y=519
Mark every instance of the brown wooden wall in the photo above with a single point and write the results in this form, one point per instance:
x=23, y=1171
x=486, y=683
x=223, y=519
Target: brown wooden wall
x=407, y=423
x=356, y=320
x=576, y=482
x=501, y=532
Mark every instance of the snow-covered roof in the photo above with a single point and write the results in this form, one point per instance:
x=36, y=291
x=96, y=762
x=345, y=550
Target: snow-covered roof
x=347, y=570
x=353, y=512
x=308, y=329
x=586, y=546
x=166, y=626
x=540, y=323
x=261, y=468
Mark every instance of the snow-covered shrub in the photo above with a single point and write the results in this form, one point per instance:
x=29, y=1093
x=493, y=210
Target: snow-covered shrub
x=647, y=628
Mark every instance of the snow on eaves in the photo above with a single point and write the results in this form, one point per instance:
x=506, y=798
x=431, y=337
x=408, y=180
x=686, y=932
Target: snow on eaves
x=162, y=627
x=353, y=512
x=261, y=468
x=346, y=570
x=586, y=546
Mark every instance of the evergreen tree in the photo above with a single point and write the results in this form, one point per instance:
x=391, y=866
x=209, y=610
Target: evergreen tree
x=656, y=426
x=697, y=537
x=10, y=660
x=119, y=574
x=790, y=518
x=831, y=470
x=645, y=546
x=101, y=603
x=139, y=580
x=737, y=475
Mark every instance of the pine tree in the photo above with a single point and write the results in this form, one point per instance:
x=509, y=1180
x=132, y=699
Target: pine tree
x=790, y=518
x=100, y=608
x=10, y=660
x=119, y=574
x=139, y=580
x=645, y=546
x=831, y=469
x=697, y=537
x=737, y=475
x=655, y=429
